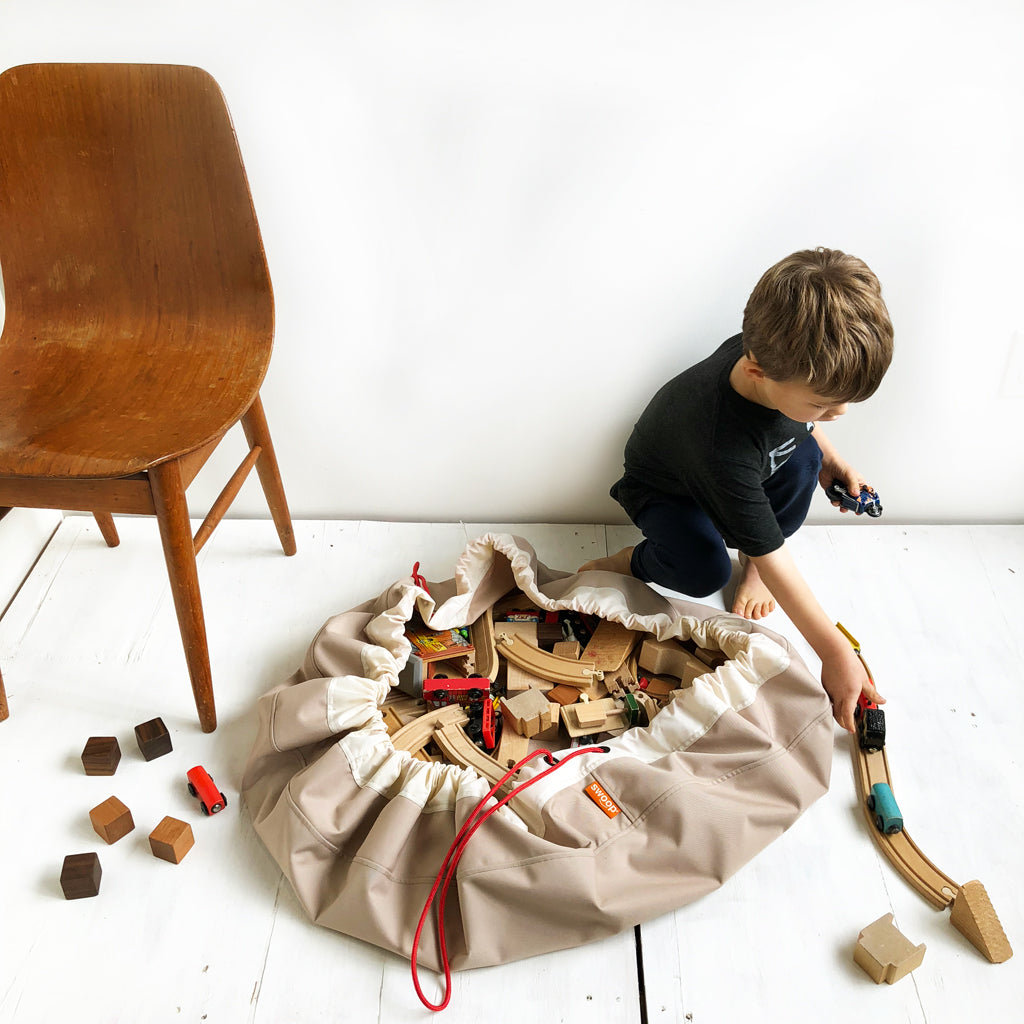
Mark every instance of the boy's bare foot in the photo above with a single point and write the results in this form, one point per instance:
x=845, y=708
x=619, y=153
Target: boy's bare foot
x=619, y=562
x=753, y=600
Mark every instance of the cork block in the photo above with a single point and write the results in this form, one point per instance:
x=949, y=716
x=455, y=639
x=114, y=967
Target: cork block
x=80, y=876
x=171, y=840
x=885, y=953
x=101, y=755
x=111, y=820
x=975, y=918
x=153, y=738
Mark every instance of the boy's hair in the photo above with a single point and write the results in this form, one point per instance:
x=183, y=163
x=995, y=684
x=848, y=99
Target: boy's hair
x=817, y=317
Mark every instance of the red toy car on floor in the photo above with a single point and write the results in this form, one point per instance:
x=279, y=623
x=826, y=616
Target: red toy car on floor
x=211, y=799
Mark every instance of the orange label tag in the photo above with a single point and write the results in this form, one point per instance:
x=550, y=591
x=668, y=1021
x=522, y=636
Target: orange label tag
x=602, y=799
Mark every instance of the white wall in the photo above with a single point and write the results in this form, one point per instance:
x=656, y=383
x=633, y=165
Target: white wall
x=496, y=229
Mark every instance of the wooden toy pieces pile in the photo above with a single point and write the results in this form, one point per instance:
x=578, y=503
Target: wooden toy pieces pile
x=112, y=820
x=555, y=678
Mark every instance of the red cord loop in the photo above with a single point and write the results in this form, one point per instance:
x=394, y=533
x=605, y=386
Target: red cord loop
x=451, y=861
x=419, y=580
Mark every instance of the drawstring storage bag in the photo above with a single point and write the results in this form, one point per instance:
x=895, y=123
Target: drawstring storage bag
x=362, y=830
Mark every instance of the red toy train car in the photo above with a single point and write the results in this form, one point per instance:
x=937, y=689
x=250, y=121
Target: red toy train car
x=200, y=785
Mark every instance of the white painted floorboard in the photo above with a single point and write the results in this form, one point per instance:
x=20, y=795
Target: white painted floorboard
x=90, y=647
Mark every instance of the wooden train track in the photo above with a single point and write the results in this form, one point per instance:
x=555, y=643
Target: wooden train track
x=972, y=912
x=540, y=663
x=934, y=885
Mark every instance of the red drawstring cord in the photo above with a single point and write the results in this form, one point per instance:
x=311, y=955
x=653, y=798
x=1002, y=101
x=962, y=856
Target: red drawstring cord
x=418, y=580
x=454, y=855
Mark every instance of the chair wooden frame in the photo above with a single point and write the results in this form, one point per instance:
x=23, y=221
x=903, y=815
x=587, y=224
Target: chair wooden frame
x=139, y=310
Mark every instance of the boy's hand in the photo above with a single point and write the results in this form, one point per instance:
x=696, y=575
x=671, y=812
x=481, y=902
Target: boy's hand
x=840, y=470
x=835, y=467
x=844, y=678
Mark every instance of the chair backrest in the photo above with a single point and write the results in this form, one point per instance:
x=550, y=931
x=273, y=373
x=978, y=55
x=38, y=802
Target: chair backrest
x=128, y=235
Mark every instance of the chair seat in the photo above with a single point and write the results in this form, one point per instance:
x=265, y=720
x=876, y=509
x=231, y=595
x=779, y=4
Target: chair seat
x=76, y=410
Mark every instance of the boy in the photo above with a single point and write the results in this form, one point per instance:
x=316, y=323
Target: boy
x=727, y=454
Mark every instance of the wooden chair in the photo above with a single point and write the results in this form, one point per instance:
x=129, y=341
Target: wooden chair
x=139, y=311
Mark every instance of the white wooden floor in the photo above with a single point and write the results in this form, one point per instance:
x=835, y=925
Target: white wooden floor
x=90, y=647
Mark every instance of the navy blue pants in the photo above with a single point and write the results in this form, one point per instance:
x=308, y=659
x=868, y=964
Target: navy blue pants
x=683, y=551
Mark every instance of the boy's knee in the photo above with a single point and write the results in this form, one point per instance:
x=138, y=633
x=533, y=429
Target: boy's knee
x=696, y=574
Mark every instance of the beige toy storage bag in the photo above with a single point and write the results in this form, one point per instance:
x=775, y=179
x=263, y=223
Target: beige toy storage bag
x=361, y=829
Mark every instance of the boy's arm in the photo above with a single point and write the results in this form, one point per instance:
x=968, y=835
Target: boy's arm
x=842, y=674
x=835, y=467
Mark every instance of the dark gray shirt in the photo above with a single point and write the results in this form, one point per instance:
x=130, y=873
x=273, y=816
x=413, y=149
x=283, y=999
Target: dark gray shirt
x=698, y=438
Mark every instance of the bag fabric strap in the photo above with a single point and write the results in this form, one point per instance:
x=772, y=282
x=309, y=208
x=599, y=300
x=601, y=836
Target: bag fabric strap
x=451, y=861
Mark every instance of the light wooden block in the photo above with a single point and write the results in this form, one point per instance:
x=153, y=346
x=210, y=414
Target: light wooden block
x=111, y=820
x=670, y=658
x=517, y=680
x=885, y=953
x=528, y=713
x=171, y=840
x=567, y=649
x=610, y=645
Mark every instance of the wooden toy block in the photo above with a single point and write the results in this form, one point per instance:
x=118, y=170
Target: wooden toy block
x=528, y=713
x=111, y=820
x=713, y=659
x=406, y=708
x=885, y=953
x=485, y=657
x=610, y=646
x=153, y=738
x=101, y=755
x=623, y=680
x=392, y=721
x=512, y=748
x=549, y=730
x=563, y=695
x=649, y=707
x=593, y=716
x=171, y=840
x=670, y=658
x=660, y=687
x=518, y=679
x=567, y=649
x=974, y=917
x=549, y=634
x=80, y=876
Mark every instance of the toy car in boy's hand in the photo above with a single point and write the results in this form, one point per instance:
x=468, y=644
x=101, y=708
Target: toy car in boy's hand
x=211, y=799
x=867, y=502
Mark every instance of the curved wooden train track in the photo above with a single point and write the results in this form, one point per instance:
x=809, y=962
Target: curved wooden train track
x=933, y=884
x=972, y=911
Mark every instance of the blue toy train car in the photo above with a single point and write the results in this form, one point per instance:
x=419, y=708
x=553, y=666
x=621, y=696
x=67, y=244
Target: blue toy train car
x=882, y=803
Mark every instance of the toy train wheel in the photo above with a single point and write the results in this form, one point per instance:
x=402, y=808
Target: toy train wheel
x=192, y=789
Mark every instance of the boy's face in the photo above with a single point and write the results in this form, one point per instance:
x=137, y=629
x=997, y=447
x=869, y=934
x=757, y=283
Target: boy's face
x=799, y=402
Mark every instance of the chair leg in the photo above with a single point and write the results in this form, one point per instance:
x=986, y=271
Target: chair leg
x=105, y=521
x=254, y=423
x=176, y=534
